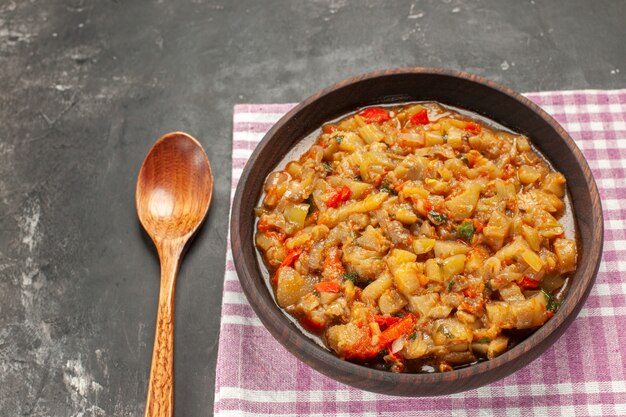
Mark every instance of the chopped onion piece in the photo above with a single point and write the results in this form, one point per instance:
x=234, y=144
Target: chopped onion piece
x=398, y=344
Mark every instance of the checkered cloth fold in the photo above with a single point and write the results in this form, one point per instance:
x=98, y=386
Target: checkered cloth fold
x=583, y=374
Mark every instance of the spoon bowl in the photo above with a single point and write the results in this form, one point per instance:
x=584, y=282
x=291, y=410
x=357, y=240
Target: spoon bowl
x=174, y=190
x=171, y=189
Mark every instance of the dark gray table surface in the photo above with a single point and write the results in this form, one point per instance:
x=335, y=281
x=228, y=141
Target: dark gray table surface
x=87, y=86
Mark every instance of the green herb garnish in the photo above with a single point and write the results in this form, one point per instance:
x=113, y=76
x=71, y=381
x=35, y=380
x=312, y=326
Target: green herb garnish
x=356, y=279
x=338, y=138
x=437, y=218
x=351, y=276
x=328, y=167
x=311, y=202
x=484, y=340
x=413, y=336
x=450, y=285
x=553, y=305
x=466, y=231
x=387, y=188
x=316, y=293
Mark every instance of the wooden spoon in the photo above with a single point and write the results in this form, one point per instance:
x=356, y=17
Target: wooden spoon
x=174, y=190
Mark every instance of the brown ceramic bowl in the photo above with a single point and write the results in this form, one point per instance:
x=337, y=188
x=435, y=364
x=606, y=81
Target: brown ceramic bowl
x=395, y=86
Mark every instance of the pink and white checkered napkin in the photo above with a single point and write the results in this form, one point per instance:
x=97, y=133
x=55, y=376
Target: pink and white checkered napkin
x=583, y=374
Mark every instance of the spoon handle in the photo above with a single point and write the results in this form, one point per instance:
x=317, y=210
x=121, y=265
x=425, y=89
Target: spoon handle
x=160, y=401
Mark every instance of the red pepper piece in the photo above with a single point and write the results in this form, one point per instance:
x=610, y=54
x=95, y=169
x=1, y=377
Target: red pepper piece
x=327, y=286
x=290, y=259
x=472, y=127
x=333, y=201
x=312, y=325
x=340, y=197
x=404, y=326
x=375, y=115
x=363, y=349
x=529, y=283
x=420, y=118
x=329, y=128
x=470, y=292
x=478, y=225
x=264, y=227
x=385, y=321
x=346, y=192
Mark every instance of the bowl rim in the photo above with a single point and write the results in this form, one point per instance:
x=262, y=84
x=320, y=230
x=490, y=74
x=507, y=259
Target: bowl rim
x=297, y=343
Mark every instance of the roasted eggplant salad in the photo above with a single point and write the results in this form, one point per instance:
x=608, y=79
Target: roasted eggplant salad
x=417, y=238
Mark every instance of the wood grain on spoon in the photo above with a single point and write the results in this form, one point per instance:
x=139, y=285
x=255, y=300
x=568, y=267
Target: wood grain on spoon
x=174, y=191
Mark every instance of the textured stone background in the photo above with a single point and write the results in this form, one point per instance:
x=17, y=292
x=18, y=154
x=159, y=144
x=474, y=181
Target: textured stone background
x=87, y=86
